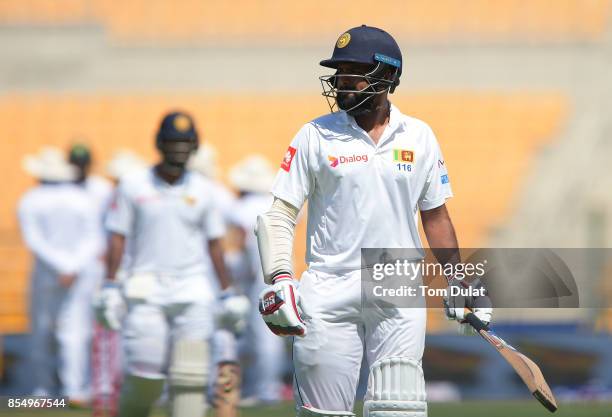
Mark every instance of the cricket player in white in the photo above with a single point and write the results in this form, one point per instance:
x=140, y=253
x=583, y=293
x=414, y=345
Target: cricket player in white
x=166, y=212
x=60, y=226
x=367, y=172
x=99, y=190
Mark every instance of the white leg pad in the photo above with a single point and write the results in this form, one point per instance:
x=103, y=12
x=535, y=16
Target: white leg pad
x=396, y=388
x=189, y=364
x=188, y=378
x=315, y=412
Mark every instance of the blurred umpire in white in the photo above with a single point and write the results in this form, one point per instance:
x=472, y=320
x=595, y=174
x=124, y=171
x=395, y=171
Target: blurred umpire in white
x=59, y=225
x=165, y=212
x=367, y=171
x=252, y=178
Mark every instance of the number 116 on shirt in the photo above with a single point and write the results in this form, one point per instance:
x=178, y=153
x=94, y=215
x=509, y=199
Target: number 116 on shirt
x=404, y=167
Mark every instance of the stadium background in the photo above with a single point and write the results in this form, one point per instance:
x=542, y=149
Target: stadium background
x=517, y=92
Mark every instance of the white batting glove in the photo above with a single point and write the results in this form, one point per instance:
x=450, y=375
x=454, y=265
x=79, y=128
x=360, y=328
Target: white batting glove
x=455, y=305
x=281, y=307
x=109, y=306
x=234, y=311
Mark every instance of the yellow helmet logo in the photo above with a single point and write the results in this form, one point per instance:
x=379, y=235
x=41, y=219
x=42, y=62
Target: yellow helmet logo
x=182, y=123
x=343, y=40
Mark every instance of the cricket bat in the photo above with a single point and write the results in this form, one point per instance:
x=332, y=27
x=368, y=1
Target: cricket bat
x=529, y=372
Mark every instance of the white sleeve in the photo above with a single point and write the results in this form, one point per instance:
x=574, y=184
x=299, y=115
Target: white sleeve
x=213, y=223
x=294, y=181
x=437, y=188
x=34, y=239
x=120, y=218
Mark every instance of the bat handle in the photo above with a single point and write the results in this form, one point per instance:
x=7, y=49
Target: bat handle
x=475, y=322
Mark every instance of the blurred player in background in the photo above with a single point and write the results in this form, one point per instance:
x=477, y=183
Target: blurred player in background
x=367, y=171
x=225, y=378
x=252, y=178
x=60, y=225
x=99, y=190
x=166, y=213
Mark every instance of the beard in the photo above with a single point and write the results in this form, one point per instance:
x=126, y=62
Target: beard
x=355, y=103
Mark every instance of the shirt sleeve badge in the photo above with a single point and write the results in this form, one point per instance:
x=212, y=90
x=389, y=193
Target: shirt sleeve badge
x=286, y=164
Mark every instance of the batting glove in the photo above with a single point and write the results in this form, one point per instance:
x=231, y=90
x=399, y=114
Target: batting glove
x=476, y=300
x=234, y=311
x=109, y=306
x=280, y=306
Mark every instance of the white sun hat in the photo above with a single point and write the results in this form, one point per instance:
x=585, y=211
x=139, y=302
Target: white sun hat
x=253, y=174
x=49, y=164
x=124, y=162
x=204, y=161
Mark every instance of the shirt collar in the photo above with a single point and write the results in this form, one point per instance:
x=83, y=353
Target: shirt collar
x=394, y=120
x=159, y=182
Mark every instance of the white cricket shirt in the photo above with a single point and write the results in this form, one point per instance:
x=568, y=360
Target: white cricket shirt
x=59, y=224
x=361, y=194
x=168, y=225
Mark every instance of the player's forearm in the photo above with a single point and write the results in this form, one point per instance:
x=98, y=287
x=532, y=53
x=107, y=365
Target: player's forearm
x=115, y=253
x=216, y=256
x=440, y=234
x=275, y=233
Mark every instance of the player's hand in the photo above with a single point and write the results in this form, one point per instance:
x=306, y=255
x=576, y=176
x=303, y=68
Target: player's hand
x=281, y=307
x=109, y=306
x=479, y=304
x=234, y=311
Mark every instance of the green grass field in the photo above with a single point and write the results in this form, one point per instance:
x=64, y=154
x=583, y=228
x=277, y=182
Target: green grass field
x=463, y=409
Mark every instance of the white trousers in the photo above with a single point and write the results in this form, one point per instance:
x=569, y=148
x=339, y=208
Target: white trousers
x=327, y=361
x=62, y=323
x=177, y=308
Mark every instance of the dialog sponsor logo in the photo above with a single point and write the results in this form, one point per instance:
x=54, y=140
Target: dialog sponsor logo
x=346, y=159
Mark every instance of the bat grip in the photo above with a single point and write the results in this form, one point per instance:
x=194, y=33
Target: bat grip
x=475, y=322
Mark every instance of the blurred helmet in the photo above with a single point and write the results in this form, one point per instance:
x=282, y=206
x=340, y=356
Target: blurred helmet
x=363, y=45
x=50, y=164
x=253, y=174
x=177, y=126
x=124, y=162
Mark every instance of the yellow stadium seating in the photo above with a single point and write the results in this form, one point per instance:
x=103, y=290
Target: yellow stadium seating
x=43, y=11
x=278, y=21
x=489, y=140
x=14, y=261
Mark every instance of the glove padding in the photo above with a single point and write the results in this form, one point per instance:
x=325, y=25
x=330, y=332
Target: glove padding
x=455, y=306
x=281, y=307
x=109, y=306
x=234, y=311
